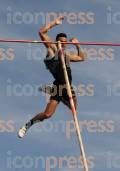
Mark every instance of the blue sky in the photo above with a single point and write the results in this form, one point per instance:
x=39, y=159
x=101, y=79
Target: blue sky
x=96, y=80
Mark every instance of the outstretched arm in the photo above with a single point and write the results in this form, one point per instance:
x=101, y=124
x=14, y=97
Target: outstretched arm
x=43, y=32
x=80, y=56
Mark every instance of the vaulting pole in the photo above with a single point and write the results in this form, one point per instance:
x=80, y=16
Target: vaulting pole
x=61, y=52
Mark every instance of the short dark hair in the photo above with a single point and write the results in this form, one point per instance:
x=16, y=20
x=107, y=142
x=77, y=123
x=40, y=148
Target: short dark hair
x=60, y=35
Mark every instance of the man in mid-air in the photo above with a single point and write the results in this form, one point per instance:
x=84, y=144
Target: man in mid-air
x=54, y=65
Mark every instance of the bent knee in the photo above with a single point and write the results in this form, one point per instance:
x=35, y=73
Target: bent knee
x=48, y=114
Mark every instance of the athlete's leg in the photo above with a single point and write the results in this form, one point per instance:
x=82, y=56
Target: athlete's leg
x=49, y=111
x=67, y=102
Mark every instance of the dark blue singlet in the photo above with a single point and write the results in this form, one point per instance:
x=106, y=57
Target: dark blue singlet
x=54, y=65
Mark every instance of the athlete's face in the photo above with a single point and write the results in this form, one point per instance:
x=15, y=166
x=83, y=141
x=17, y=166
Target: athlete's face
x=63, y=39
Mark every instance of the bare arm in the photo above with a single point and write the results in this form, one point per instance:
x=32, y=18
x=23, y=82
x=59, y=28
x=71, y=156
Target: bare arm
x=80, y=55
x=43, y=33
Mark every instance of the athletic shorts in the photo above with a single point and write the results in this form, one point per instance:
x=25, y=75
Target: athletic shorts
x=59, y=93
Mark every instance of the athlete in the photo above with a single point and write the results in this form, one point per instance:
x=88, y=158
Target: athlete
x=53, y=64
